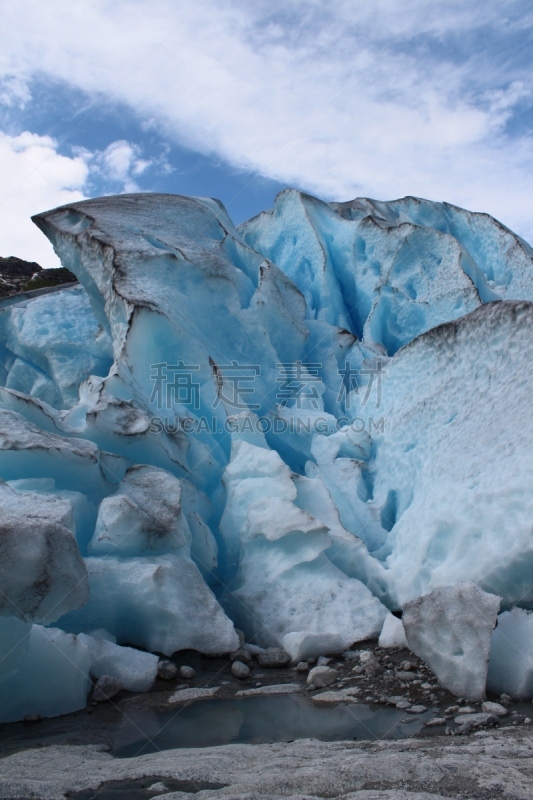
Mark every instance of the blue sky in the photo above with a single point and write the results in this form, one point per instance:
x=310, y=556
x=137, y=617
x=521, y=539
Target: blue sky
x=237, y=100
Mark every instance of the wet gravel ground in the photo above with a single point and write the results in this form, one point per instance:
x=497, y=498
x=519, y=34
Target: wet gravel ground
x=392, y=678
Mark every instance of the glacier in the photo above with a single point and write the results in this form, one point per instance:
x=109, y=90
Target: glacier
x=285, y=430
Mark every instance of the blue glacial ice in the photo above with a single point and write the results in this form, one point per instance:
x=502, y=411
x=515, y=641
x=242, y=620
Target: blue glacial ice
x=289, y=429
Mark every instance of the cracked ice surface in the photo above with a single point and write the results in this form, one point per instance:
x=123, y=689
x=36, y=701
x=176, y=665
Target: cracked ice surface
x=288, y=427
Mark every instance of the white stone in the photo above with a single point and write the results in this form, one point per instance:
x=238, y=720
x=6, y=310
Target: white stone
x=281, y=688
x=322, y=676
x=494, y=708
x=192, y=693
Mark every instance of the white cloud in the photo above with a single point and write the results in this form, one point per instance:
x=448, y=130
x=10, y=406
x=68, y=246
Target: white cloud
x=119, y=164
x=382, y=99
x=35, y=177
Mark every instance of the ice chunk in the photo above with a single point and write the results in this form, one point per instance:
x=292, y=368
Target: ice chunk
x=29, y=451
x=433, y=468
x=500, y=255
x=52, y=677
x=14, y=642
x=160, y=603
x=83, y=510
x=150, y=514
x=511, y=655
x=101, y=633
x=384, y=283
x=316, y=524
x=284, y=590
x=393, y=633
x=144, y=516
x=135, y=670
x=451, y=629
x=52, y=344
x=42, y=574
x=209, y=296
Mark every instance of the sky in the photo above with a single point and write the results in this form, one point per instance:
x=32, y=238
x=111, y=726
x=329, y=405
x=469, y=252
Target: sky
x=237, y=100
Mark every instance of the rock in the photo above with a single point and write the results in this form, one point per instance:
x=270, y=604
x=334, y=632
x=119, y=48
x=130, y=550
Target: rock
x=368, y=664
x=451, y=629
x=254, y=649
x=281, y=688
x=322, y=676
x=416, y=710
x=407, y=665
x=273, y=657
x=373, y=668
x=15, y=274
x=187, y=672
x=167, y=670
x=467, y=710
x=451, y=710
x=192, y=693
x=241, y=655
x=466, y=722
x=157, y=788
x=403, y=705
x=351, y=655
x=105, y=688
x=32, y=717
x=430, y=768
x=505, y=698
x=435, y=722
x=323, y=661
x=302, y=666
x=240, y=670
x=365, y=656
x=405, y=676
x=341, y=696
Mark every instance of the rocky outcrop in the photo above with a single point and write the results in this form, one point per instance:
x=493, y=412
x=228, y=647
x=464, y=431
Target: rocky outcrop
x=17, y=275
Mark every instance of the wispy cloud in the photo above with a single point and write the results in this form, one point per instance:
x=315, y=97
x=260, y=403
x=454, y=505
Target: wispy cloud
x=36, y=176
x=343, y=99
x=25, y=191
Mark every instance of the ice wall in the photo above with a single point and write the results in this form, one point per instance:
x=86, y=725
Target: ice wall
x=286, y=427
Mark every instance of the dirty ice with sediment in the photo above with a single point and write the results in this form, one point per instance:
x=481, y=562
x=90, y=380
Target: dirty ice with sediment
x=296, y=429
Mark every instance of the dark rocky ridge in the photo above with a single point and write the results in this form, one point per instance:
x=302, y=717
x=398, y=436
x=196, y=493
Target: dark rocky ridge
x=17, y=275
